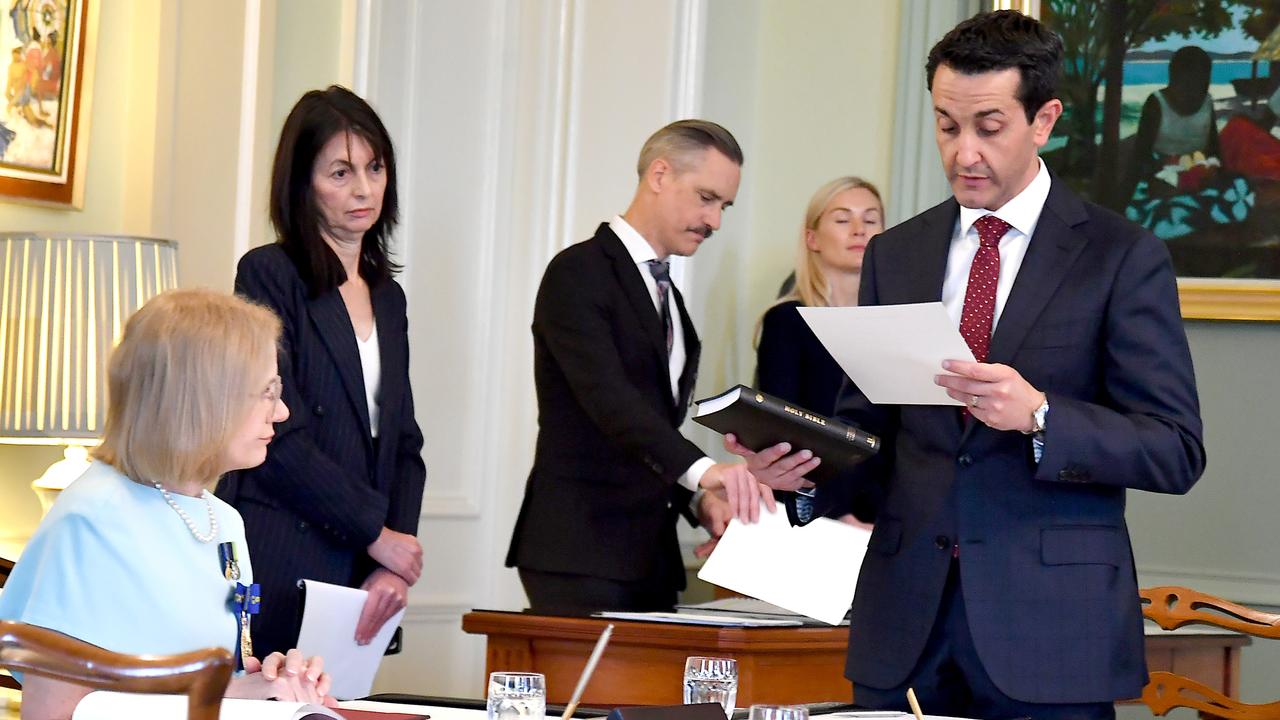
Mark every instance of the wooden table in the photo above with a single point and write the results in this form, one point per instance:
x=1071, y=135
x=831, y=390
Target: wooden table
x=645, y=661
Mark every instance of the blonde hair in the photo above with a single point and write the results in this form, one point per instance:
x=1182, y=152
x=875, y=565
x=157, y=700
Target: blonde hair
x=679, y=141
x=180, y=381
x=811, y=288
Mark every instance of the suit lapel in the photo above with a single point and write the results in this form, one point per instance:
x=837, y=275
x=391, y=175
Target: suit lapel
x=637, y=294
x=391, y=361
x=333, y=324
x=1050, y=254
x=692, y=351
x=927, y=254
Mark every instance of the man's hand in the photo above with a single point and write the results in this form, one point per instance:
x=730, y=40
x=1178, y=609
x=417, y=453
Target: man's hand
x=996, y=394
x=740, y=488
x=773, y=466
x=388, y=594
x=714, y=514
x=398, y=552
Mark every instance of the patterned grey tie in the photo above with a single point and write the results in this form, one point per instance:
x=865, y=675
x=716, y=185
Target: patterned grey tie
x=661, y=271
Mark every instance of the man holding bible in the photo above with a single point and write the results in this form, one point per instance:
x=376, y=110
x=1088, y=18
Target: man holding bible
x=615, y=357
x=999, y=581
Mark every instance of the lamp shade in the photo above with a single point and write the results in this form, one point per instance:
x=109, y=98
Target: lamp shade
x=64, y=300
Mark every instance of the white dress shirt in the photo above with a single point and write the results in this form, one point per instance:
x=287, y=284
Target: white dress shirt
x=641, y=253
x=1023, y=214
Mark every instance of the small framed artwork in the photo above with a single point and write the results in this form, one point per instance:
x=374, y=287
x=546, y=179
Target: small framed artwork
x=45, y=49
x=1170, y=118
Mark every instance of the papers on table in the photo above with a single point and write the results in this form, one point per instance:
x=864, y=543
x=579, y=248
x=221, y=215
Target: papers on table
x=811, y=570
x=104, y=705
x=892, y=352
x=688, y=618
x=329, y=628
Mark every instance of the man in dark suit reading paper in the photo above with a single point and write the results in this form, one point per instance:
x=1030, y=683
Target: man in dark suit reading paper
x=615, y=357
x=999, y=581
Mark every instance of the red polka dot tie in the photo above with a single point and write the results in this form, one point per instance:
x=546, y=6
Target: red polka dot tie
x=980, y=295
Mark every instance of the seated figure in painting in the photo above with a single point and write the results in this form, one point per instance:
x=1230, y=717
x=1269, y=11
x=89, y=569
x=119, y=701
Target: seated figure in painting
x=1179, y=183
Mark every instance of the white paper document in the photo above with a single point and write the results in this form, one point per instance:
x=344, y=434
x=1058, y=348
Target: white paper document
x=688, y=618
x=892, y=352
x=811, y=570
x=329, y=629
x=104, y=705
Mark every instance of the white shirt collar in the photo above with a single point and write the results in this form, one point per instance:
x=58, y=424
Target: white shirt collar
x=1022, y=212
x=637, y=247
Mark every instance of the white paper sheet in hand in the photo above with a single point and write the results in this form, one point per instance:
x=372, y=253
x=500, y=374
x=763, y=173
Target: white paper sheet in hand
x=811, y=570
x=892, y=352
x=329, y=630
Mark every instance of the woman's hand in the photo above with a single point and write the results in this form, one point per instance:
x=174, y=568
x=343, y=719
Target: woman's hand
x=388, y=594
x=398, y=552
x=284, y=677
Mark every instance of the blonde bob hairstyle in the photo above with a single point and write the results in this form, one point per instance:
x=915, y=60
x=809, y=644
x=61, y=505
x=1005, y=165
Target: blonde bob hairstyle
x=811, y=287
x=180, y=382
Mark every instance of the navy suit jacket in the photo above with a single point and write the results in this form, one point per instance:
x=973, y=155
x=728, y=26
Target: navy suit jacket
x=602, y=498
x=327, y=488
x=1045, y=562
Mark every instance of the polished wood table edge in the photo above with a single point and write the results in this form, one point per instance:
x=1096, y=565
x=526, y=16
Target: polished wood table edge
x=655, y=634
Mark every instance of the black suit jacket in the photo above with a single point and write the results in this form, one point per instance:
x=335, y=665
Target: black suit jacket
x=327, y=488
x=602, y=499
x=1046, y=567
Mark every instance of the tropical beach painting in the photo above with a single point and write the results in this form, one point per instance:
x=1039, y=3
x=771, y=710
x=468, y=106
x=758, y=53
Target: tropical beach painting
x=1171, y=119
x=41, y=51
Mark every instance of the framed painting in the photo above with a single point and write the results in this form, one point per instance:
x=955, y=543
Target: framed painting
x=1171, y=119
x=44, y=50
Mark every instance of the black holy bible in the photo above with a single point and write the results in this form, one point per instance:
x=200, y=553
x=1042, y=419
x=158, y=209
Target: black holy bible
x=761, y=421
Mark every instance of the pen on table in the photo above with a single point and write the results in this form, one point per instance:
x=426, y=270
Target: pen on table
x=586, y=672
x=915, y=705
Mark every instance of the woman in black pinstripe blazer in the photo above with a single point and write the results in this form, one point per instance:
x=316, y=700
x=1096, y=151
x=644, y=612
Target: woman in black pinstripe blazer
x=339, y=495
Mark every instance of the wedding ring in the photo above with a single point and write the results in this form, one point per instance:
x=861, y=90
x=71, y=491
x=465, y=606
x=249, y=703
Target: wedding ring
x=974, y=401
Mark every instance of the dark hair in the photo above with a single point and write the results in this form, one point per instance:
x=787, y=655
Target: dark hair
x=1188, y=62
x=313, y=121
x=677, y=141
x=1000, y=40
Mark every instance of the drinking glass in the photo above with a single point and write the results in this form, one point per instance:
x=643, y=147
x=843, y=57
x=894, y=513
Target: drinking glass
x=517, y=696
x=710, y=679
x=779, y=712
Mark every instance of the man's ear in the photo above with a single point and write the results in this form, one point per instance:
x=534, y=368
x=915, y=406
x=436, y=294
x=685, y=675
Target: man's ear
x=1046, y=117
x=658, y=174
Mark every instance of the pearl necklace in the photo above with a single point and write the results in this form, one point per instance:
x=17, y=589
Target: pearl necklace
x=191, y=524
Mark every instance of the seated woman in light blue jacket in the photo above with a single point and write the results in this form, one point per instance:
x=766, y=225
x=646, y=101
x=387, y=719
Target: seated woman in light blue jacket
x=137, y=556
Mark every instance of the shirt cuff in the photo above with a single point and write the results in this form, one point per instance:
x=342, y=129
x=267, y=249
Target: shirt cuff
x=693, y=476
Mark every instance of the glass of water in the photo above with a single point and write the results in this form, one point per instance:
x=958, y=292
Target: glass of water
x=711, y=679
x=517, y=696
x=779, y=712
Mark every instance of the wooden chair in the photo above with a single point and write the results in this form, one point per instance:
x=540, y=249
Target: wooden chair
x=1171, y=608
x=201, y=675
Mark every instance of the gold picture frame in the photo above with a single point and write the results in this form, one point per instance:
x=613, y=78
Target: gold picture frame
x=46, y=51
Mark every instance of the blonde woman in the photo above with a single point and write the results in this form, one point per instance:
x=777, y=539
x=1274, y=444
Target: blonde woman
x=843, y=215
x=137, y=556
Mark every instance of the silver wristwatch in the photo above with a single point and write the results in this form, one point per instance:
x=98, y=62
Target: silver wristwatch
x=1039, y=416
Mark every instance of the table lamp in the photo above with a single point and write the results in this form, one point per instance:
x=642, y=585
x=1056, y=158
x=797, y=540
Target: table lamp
x=64, y=300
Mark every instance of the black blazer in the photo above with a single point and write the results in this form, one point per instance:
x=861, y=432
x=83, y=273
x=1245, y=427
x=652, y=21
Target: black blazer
x=327, y=488
x=1045, y=560
x=602, y=498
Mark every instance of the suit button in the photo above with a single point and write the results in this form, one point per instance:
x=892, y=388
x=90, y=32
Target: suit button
x=302, y=525
x=942, y=542
x=965, y=460
x=318, y=411
x=1066, y=475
